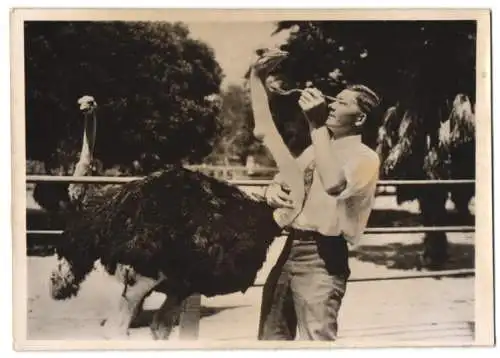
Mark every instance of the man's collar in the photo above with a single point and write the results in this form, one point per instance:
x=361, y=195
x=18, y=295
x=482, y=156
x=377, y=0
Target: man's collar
x=348, y=138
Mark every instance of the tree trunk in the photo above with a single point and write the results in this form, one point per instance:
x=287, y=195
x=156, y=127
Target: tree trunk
x=432, y=202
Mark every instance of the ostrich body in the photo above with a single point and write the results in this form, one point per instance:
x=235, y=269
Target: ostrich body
x=177, y=231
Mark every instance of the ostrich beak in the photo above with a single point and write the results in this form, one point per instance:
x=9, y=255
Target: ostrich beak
x=271, y=53
x=270, y=58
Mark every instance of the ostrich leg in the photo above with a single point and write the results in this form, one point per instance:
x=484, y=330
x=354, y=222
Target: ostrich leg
x=166, y=316
x=136, y=289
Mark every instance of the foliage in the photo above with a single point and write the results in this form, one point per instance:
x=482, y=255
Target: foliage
x=424, y=71
x=235, y=142
x=150, y=80
x=419, y=65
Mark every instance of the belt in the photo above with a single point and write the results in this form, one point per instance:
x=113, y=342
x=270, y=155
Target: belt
x=298, y=234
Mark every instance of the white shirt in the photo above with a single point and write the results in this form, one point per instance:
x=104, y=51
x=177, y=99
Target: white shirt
x=347, y=213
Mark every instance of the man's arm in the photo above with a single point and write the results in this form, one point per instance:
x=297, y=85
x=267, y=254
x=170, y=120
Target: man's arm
x=315, y=110
x=333, y=180
x=359, y=174
x=354, y=176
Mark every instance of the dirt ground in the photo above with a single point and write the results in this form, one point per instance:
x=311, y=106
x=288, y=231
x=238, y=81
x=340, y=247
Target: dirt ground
x=426, y=309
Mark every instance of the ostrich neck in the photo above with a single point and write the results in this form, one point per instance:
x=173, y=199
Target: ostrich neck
x=88, y=141
x=271, y=138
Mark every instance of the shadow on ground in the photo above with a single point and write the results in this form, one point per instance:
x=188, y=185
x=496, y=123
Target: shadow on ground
x=146, y=316
x=399, y=218
x=408, y=256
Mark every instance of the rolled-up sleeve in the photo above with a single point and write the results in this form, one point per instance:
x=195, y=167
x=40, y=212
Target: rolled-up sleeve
x=360, y=175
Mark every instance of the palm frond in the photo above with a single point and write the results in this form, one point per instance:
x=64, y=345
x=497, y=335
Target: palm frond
x=462, y=121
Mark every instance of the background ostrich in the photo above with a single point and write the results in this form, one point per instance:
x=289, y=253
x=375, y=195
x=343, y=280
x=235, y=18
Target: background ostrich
x=70, y=199
x=62, y=199
x=177, y=231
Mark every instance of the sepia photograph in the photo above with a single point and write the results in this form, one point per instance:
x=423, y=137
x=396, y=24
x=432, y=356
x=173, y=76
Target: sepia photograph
x=237, y=179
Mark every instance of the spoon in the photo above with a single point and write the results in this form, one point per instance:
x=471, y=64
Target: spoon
x=296, y=90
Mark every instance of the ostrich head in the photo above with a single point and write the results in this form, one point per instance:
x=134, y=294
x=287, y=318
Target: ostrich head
x=63, y=281
x=268, y=59
x=88, y=105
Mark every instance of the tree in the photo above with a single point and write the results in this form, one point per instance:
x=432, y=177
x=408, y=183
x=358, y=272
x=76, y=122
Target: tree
x=419, y=68
x=151, y=82
x=235, y=141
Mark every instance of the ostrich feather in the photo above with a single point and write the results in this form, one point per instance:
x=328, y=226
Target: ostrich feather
x=462, y=121
x=205, y=235
x=387, y=133
x=406, y=146
x=462, y=151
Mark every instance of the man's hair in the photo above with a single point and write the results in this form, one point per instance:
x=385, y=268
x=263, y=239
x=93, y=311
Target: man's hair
x=367, y=99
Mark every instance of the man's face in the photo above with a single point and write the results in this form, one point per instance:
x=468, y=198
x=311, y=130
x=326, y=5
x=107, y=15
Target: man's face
x=344, y=112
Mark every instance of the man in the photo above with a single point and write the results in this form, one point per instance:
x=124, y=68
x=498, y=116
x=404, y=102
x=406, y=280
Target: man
x=306, y=287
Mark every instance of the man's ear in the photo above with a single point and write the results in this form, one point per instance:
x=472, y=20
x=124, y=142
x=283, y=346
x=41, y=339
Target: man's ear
x=360, y=120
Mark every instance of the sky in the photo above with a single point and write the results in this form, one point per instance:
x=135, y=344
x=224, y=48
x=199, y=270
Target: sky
x=234, y=43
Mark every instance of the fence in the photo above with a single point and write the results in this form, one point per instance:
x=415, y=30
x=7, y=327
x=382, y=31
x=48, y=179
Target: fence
x=190, y=315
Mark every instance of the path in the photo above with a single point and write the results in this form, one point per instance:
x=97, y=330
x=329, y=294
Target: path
x=380, y=311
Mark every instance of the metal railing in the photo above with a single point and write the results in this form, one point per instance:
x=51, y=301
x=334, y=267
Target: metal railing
x=237, y=182
x=190, y=315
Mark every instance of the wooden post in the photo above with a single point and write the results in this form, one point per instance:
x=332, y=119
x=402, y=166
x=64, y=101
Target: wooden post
x=189, y=321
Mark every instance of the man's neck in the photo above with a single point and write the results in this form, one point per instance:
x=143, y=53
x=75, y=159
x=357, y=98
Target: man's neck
x=339, y=134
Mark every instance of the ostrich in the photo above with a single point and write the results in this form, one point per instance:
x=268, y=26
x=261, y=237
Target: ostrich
x=177, y=231
x=61, y=199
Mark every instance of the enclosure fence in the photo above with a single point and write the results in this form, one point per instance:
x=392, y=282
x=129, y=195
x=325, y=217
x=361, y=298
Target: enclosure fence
x=190, y=315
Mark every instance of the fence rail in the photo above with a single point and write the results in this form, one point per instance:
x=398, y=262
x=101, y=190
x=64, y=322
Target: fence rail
x=372, y=230
x=190, y=315
x=237, y=182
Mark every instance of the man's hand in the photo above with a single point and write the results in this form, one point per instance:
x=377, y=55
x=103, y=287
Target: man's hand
x=314, y=107
x=278, y=197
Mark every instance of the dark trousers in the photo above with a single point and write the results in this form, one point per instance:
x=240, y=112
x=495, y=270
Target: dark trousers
x=305, y=288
